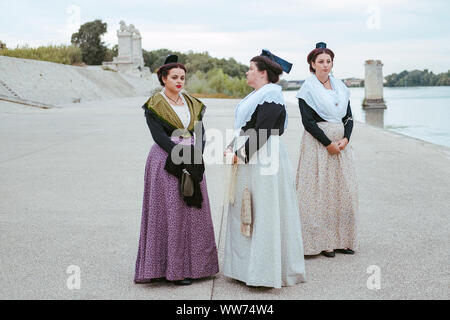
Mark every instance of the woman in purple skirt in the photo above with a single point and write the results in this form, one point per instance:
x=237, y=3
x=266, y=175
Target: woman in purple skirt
x=177, y=237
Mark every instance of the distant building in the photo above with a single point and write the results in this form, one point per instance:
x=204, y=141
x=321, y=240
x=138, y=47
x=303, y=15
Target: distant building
x=353, y=82
x=294, y=84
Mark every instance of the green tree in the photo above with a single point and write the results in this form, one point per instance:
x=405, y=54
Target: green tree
x=417, y=78
x=444, y=80
x=283, y=83
x=194, y=61
x=199, y=61
x=205, y=74
x=111, y=53
x=231, y=67
x=2, y=45
x=155, y=58
x=88, y=39
x=215, y=81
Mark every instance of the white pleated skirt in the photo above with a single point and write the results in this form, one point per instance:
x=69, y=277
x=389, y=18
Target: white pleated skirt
x=273, y=255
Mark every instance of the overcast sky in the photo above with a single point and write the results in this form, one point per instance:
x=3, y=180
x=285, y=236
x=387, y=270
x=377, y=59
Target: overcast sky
x=402, y=34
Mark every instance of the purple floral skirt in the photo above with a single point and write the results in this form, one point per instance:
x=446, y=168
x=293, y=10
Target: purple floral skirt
x=176, y=241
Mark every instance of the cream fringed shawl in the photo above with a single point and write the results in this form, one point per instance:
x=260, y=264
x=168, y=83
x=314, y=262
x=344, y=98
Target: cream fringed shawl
x=330, y=105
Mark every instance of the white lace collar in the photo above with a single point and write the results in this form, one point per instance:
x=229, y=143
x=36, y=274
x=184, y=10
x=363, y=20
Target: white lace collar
x=243, y=112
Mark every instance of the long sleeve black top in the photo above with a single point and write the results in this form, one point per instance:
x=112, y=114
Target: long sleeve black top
x=267, y=116
x=310, y=119
x=162, y=131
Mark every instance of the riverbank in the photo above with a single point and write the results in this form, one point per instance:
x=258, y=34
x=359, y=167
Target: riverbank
x=47, y=83
x=72, y=182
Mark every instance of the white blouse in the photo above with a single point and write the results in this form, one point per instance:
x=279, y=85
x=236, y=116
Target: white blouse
x=181, y=111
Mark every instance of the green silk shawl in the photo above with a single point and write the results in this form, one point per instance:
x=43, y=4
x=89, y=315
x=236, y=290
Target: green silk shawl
x=164, y=111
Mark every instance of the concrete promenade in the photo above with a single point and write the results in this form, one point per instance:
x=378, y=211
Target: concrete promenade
x=71, y=193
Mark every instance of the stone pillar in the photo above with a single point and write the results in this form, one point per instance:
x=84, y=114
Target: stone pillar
x=373, y=85
x=138, y=59
x=125, y=46
x=375, y=117
x=124, y=60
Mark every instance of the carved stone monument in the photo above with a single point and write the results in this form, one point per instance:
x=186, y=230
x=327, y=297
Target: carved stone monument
x=124, y=59
x=136, y=46
x=130, y=59
x=373, y=85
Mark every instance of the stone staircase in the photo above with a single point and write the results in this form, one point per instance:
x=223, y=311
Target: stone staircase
x=11, y=91
x=15, y=98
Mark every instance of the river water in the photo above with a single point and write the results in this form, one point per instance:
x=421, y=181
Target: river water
x=419, y=112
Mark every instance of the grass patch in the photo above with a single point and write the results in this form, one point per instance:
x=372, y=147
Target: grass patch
x=59, y=54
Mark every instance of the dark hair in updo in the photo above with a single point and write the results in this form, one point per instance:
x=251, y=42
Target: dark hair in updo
x=163, y=71
x=312, y=56
x=273, y=69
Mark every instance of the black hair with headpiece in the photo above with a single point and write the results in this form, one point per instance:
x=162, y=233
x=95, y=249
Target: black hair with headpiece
x=286, y=66
x=170, y=63
x=171, y=58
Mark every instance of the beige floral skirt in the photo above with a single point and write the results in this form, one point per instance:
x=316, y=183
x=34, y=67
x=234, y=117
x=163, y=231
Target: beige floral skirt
x=327, y=193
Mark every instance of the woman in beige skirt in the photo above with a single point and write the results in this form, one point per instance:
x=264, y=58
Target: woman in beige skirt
x=326, y=181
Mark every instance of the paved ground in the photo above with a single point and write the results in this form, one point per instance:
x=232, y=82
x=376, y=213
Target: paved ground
x=71, y=192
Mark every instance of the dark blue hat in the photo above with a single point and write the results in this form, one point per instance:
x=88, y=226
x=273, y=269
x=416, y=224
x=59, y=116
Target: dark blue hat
x=321, y=45
x=171, y=58
x=286, y=66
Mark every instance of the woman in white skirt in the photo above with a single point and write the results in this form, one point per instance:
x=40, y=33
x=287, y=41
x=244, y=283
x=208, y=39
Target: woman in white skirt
x=263, y=243
x=326, y=181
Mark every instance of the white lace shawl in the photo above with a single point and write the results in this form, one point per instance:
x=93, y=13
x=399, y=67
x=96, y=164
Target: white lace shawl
x=330, y=105
x=243, y=112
